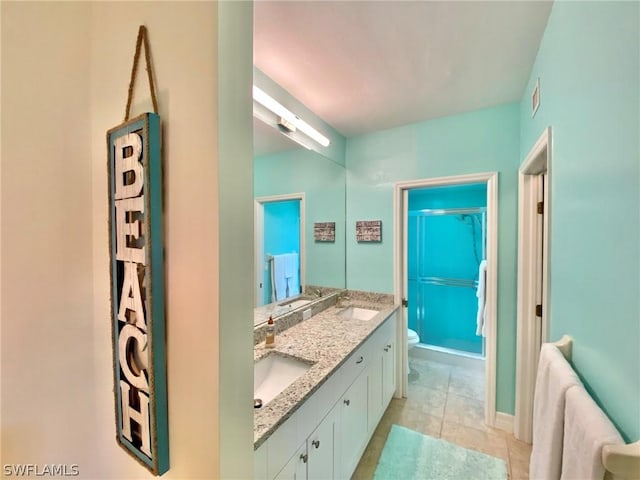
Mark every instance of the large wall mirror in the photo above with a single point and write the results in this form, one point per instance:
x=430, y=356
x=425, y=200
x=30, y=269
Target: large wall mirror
x=299, y=195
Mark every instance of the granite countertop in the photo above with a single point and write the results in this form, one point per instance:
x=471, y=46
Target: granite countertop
x=261, y=314
x=324, y=341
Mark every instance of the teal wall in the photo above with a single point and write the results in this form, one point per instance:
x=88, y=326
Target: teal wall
x=480, y=141
x=588, y=64
x=323, y=182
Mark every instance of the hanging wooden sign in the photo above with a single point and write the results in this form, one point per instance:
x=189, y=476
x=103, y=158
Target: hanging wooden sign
x=137, y=290
x=324, y=231
x=137, y=287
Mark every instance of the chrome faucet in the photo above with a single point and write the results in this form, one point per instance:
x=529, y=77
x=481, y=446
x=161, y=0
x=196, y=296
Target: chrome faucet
x=342, y=298
x=318, y=292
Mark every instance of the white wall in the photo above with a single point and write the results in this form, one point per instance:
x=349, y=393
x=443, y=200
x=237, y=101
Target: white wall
x=183, y=46
x=48, y=411
x=235, y=218
x=64, y=83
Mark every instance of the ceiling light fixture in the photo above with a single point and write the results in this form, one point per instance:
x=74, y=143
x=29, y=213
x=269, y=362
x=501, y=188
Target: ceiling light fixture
x=264, y=116
x=269, y=103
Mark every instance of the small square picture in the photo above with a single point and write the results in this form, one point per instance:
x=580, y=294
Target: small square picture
x=369, y=231
x=324, y=231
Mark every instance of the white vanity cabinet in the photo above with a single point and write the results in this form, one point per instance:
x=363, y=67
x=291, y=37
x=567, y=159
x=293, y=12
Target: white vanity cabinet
x=321, y=449
x=314, y=459
x=260, y=463
x=382, y=371
x=389, y=367
x=353, y=425
x=325, y=438
x=296, y=468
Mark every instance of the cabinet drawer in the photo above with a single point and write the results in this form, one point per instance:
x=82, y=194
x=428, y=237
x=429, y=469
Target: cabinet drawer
x=386, y=332
x=355, y=363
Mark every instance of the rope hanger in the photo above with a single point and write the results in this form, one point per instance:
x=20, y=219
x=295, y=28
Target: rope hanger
x=142, y=36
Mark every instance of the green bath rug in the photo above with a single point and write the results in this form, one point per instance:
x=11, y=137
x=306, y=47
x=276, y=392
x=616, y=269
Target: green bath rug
x=410, y=455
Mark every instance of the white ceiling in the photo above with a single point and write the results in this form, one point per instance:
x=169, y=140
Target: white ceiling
x=364, y=66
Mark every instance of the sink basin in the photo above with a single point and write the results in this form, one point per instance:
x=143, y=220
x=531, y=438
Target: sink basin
x=273, y=373
x=295, y=304
x=357, y=313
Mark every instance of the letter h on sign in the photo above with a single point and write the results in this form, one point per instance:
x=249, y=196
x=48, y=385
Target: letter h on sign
x=137, y=290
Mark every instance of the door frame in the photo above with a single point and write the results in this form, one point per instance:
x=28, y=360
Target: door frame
x=399, y=253
x=533, y=271
x=258, y=246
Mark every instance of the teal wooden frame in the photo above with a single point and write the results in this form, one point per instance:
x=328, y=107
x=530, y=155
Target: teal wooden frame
x=147, y=126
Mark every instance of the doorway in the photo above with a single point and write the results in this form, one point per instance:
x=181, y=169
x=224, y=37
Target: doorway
x=446, y=252
x=488, y=181
x=534, y=209
x=279, y=245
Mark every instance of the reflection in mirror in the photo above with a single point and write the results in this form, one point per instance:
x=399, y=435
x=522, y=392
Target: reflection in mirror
x=284, y=171
x=279, y=246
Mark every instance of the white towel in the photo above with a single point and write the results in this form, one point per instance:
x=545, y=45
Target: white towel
x=290, y=265
x=480, y=293
x=555, y=376
x=586, y=430
x=278, y=278
x=292, y=273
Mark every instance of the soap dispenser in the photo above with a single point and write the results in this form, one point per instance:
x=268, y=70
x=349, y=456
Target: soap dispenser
x=270, y=340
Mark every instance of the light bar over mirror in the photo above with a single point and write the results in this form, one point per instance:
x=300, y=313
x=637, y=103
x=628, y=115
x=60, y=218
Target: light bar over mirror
x=287, y=121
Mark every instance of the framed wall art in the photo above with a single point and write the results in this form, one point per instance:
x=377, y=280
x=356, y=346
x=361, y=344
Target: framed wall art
x=369, y=231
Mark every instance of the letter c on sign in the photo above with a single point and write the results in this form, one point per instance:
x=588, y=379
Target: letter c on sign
x=127, y=334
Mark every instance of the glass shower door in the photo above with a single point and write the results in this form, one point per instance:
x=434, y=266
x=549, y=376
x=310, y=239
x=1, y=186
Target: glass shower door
x=447, y=252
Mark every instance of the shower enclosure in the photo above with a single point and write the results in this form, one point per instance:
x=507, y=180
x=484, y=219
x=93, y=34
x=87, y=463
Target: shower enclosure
x=445, y=248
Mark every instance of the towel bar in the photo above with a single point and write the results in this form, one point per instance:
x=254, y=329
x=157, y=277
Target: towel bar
x=622, y=462
x=564, y=345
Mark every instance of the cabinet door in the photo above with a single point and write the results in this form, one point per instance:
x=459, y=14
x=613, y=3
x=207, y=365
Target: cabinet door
x=388, y=371
x=320, y=448
x=296, y=467
x=283, y=444
x=375, y=389
x=353, y=424
x=260, y=463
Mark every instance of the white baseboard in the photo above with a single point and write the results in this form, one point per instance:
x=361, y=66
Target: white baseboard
x=504, y=421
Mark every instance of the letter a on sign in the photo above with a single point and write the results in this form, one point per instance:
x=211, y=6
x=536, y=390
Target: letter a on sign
x=137, y=291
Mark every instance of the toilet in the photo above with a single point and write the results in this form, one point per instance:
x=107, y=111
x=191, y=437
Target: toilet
x=412, y=340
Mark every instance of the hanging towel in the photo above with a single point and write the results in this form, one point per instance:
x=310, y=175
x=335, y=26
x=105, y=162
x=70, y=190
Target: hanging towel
x=480, y=293
x=278, y=278
x=291, y=264
x=586, y=430
x=292, y=274
x=555, y=376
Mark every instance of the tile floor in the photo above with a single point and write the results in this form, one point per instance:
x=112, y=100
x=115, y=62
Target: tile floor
x=446, y=402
